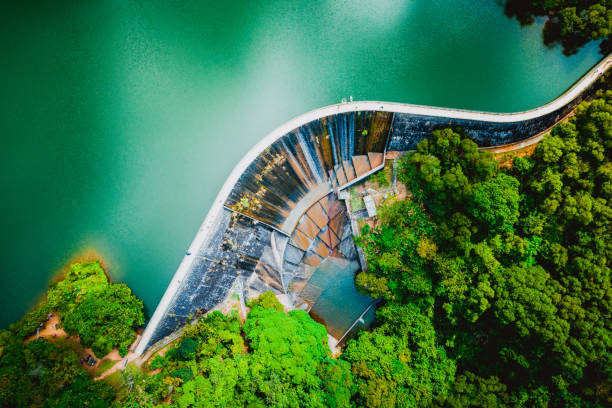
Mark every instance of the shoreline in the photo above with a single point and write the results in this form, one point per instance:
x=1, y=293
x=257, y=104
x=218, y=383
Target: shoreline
x=51, y=332
x=88, y=254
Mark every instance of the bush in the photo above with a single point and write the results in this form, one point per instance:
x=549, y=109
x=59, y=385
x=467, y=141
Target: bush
x=102, y=314
x=184, y=373
x=268, y=300
x=158, y=362
x=187, y=349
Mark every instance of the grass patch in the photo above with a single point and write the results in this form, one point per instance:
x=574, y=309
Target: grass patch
x=382, y=178
x=120, y=378
x=104, y=366
x=357, y=203
x=115, y=380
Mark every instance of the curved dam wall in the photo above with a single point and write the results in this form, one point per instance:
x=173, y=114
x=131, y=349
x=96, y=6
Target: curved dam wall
x=279, y=179
x=285, y=178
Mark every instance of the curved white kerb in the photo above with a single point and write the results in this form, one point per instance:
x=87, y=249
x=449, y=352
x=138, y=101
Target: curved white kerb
x=217, y=206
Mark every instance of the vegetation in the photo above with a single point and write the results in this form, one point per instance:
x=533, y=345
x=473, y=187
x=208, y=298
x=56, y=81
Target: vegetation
x=274, y=359
x=103, y=315
x=495, y=287
x=42, y=373
x=572, y=23
x=48, y=373
x=509, y=266
x=400, y=362
x=391, y=250
x=382, y=177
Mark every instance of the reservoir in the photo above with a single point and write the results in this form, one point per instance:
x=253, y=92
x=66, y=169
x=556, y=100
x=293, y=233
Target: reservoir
x=120, y=120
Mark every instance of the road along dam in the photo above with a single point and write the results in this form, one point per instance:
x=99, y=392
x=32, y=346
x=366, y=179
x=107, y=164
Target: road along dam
x=277, y=223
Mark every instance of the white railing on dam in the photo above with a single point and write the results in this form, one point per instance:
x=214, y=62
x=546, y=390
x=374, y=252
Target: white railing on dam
x=203, y=235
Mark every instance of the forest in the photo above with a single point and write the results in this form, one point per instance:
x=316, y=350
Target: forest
x=508, y=266
x=495, y=288
x=39, y=372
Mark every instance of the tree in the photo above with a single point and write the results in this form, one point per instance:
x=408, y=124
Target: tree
x=496, y=202
x=101, y=313
x=520, y=276
x=396, y=268
x=567, y=188
x=287, y=349
x=268, y=300
x=287, y=362
x=105, y=319
x=527, y=298
x=42, y=373
x=469, y=390
x=399, y=363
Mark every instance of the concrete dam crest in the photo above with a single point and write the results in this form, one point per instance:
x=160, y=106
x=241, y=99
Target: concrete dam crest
x=277, y=220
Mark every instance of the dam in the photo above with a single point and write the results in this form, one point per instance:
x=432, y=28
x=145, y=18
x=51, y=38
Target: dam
x=277, y=223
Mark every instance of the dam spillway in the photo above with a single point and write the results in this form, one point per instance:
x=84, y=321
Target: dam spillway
x=272, y=224
x=333, y=149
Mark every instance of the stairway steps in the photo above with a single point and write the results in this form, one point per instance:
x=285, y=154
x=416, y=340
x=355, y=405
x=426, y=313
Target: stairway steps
x=376, y=159
x=349, y=171
x=361, y=164
x=340, y=176
x=332, y=179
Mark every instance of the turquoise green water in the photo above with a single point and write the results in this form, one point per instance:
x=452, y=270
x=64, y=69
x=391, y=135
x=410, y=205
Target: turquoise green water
x=120, y=120
x=339, y=305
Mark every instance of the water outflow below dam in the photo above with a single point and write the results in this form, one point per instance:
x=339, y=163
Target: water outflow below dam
x=277, y=217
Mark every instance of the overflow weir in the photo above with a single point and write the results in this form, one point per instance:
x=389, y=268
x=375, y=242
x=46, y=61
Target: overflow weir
x=277, y=217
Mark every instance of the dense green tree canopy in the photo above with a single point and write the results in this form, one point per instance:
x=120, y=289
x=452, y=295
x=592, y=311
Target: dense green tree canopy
x=102, y=314
x=514, y=266
x=495, y=203
x=41, y=373
x=567, y=194
x=469, y=390
x=399, y=363
x=274, y=359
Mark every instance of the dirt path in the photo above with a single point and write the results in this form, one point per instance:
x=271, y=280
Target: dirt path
x=49, y=331
x=131, y=357
x=122, y=362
